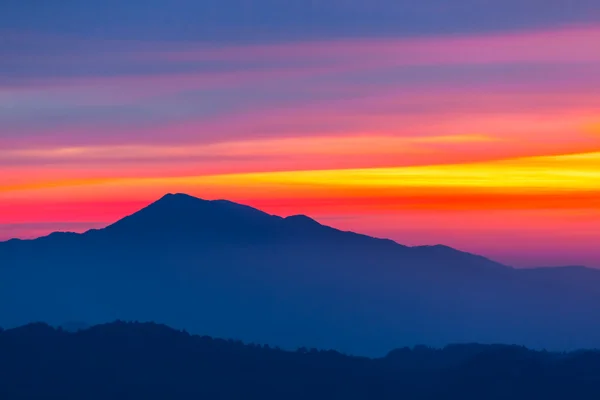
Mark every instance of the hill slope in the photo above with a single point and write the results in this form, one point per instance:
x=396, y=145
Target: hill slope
x=149, y=361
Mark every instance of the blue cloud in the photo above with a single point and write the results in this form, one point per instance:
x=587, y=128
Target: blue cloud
x=268, y=20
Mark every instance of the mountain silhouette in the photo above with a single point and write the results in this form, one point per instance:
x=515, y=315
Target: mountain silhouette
x=230, y=270
x=124, y=360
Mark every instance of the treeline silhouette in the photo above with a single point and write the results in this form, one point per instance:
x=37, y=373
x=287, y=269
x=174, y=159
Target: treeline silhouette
x=123, y=360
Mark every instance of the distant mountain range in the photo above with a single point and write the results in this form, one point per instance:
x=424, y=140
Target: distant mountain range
x=229, y=270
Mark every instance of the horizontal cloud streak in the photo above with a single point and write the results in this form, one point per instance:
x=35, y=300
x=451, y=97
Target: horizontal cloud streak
x=302, y=88
x=220, y=21
x=557, y=46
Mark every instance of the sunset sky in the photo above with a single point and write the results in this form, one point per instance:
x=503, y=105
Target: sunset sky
x=470, y=123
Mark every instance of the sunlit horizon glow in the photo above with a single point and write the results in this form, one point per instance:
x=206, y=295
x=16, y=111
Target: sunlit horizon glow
x=488, y=142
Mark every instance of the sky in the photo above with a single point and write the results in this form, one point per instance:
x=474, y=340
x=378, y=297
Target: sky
x=471, y=123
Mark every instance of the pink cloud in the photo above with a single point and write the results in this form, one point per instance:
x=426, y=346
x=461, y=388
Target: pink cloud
x=538, y=116
x=304, y=59
x=570, y=45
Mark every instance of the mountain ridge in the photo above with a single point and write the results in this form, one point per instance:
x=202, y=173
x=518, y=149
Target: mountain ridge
x=232, y=270
x=122, y=360
x=169, y=200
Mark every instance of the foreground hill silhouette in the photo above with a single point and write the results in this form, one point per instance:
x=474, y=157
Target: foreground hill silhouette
x=148, y=361
x=229, y=270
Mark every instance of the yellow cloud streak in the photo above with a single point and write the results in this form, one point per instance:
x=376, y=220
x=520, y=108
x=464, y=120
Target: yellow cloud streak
x=578, y=172
x=569, y=172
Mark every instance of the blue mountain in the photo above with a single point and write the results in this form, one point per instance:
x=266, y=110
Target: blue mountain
x=229, y=270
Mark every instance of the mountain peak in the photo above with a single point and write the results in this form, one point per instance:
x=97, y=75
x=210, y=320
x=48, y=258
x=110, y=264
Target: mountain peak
x=182, y=214
x=302, y=219
x=177, y=198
